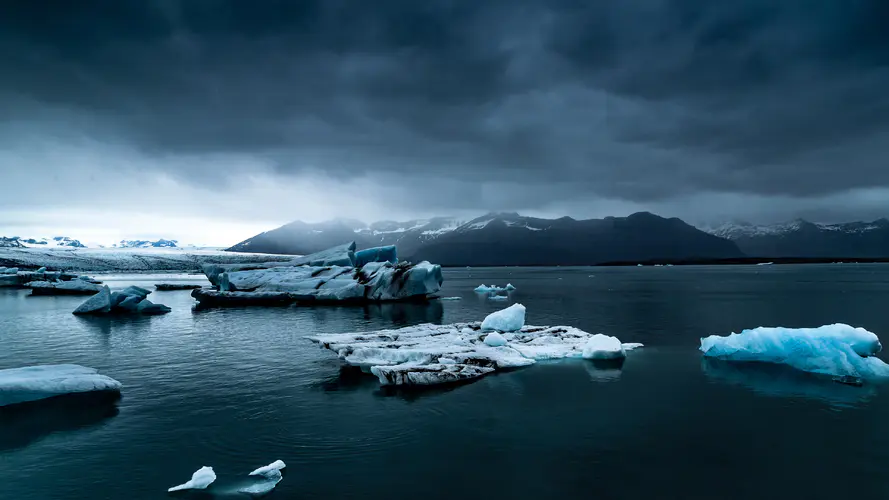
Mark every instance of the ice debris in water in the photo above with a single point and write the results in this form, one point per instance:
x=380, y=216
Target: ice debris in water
x=268, y=477
x=202, y=478
x=838, y=350
x=506, y=320
x=451, y=298
x=32, y=383
x=494, y=288
x=438, y=354
x=498, y=297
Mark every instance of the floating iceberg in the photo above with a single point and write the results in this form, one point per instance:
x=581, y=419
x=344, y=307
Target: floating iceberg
x=32, y=383
x=506, y=320
x=494, y=288
x=130, y=300
x=72, y=287
x=331, y=282
x=438, y=354
x=838, y=350
x=498, y=297
x=603, y=347
x=266, y=479
x=202, y=478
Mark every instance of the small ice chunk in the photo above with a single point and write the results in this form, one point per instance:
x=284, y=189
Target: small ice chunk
x=447, y=361
x=603, y=347
x=506, y=320
x=275, y=466
x=629, y=346
x=498, y=297
x=202, y=478
x=509, y=287
x=41, y=270
x=451, y=298
x=494, y=288
x=494, y=339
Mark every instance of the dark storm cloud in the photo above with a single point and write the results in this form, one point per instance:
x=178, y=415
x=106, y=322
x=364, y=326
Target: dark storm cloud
x=635, y=100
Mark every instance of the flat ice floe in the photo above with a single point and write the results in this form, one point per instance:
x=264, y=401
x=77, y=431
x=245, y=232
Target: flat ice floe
x=838, y=350
x=438, y=354
x=71, y=287
x=33, y=383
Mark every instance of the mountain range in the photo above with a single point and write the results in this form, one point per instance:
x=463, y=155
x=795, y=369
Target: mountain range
x=64, y=242
x=499, y=239
x=801, y=238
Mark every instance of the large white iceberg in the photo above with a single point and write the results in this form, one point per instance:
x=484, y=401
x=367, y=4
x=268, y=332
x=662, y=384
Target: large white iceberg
x=838, y=350
x=508, y=320
x=202, y=478
x=437, y=354
x=33, y=383
x=334, y=281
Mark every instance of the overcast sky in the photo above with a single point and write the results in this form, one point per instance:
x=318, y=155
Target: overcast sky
x=211, y=120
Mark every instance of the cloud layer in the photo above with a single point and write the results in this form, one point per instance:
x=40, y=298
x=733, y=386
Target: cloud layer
x=270, y=111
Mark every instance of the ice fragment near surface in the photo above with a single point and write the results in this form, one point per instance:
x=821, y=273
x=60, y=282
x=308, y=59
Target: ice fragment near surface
x=494, y=288
x=506, y=320
x=32, y=383
x=838, y=350
x=266, y=479
x=202, y=478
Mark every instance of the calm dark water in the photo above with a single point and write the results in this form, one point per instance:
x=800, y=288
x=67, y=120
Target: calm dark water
x=239, y=388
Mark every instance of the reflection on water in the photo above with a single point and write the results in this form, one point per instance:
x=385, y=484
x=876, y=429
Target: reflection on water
x=604, y=370
x=782, y=381
x=23, y=424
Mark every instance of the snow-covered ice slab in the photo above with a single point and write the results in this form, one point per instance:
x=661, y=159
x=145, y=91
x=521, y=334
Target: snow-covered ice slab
x=838, y=350
x=438, y=354
x=33, y=383
x=202, y=478
x=72, y=287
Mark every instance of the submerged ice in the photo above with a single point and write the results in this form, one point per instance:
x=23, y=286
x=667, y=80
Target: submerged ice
x=838, y=350
x=437, y=354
